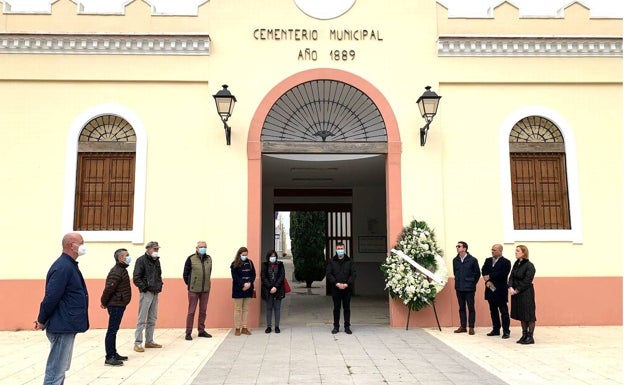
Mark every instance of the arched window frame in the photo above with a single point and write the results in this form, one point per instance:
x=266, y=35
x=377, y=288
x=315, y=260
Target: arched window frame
x=136, y=234
x=511, y=235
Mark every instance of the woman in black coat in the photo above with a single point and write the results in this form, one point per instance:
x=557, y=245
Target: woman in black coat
x=523, y=294
x=273, y=292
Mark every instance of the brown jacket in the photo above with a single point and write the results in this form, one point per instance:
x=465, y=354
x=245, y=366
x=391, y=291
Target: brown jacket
x=117, y=291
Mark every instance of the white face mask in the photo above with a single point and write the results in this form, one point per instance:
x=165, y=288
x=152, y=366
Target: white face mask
x=155, y=254
x=272, y=259
x=128, y=259
x=82, y=249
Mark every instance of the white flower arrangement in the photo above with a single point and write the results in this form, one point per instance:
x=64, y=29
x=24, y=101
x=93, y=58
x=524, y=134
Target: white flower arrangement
x=413, y=288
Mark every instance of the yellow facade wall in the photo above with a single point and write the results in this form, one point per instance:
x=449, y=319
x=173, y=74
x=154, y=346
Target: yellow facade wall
x=196, y=186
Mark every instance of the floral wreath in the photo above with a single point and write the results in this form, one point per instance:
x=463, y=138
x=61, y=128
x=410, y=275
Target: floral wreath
x=402, y=281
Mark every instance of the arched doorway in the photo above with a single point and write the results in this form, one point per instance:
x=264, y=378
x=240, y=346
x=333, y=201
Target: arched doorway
x=336, y=119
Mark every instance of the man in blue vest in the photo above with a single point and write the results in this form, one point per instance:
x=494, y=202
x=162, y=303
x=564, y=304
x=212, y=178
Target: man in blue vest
x=197, y=270
x=64, y=309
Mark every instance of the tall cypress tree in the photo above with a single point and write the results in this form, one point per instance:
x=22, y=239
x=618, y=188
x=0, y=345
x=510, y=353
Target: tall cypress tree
x=307, y=234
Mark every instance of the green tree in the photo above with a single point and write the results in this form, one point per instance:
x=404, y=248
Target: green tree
x=307, y=234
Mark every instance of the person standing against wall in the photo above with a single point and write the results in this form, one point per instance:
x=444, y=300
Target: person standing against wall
x=243, y=277
x=115, y=297
x=64, y=309
x=340, y=277
x=273, y=274
x=147, y=276
x=523, y=294
x=495, y=271
x=196, y=275
x=467, y=273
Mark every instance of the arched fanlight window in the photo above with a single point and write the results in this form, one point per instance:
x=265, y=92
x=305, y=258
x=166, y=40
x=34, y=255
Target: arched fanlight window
x=105, y=175
x=539, y=185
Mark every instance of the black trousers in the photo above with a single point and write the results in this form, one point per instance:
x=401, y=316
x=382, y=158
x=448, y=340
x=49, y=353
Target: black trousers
x=503, y=319
x=466, y=299
x=342, y=297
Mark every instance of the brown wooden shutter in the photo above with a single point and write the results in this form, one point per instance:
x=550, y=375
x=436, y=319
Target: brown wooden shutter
x=104, y=191
x=539, y=191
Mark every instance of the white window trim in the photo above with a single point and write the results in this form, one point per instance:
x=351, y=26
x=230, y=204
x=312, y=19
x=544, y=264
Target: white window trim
x=510, y=235
x=138, y=223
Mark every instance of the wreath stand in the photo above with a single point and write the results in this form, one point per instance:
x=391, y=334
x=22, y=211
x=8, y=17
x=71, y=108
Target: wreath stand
x=409, y=312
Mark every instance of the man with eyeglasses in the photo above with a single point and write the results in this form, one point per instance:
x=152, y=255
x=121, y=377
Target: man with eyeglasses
x=467, y=274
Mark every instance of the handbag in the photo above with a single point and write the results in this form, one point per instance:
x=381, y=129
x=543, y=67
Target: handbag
x=286, y=286
x=253, y=293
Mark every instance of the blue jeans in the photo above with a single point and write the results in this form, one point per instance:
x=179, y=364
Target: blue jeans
x=115, y=313
x=59, y=359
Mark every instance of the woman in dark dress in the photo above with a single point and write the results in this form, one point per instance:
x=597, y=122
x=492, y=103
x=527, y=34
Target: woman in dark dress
x=273, y=292
x=522, y=294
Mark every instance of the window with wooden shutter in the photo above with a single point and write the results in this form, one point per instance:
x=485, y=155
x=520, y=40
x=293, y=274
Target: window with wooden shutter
x=105, y=175
x=538, y=176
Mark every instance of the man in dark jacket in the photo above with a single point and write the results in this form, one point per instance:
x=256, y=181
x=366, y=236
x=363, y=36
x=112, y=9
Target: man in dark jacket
x=467, y=273
x=115, y=297
x=196, y=275
x=340, y=277
x=64, y=309
x=495, y=271
x=147, y=276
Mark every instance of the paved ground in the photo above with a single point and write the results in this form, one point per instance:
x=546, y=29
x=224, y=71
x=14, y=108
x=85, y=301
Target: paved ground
x=307, y=353
x=311, y=355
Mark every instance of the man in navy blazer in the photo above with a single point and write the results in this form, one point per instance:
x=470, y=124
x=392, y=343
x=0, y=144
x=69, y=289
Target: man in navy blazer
x=495, y=271
x=64, y=310
x=466, y=271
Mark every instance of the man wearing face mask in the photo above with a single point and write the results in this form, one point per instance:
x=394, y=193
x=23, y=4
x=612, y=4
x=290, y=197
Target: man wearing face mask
x=64, y=309
x=147, y=277
x=340, y=277
x=197, y=270
x=115, y=297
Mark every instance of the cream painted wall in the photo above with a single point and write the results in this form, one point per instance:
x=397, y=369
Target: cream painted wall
x=473, y=168
x=196, y=187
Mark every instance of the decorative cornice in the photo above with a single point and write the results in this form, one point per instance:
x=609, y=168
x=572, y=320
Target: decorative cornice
x=105, y=44
x=104, y=7
x=554, y=46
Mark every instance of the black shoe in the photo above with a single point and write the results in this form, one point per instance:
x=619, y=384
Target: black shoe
x=188, y=337
x=277, y=329
x=348, y=330
x=524, y=335
x=113, y=362
x=493, y=333
x=268, y=330
x=505, y=335
x=528, y=340
x=334, y=330
x=204, y=334
x=121, y=358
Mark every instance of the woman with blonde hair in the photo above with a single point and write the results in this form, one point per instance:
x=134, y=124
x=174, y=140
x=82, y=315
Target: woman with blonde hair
x=523, y=294
x=243, y=277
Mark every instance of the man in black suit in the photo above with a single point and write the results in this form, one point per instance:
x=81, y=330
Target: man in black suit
x=495, y=271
